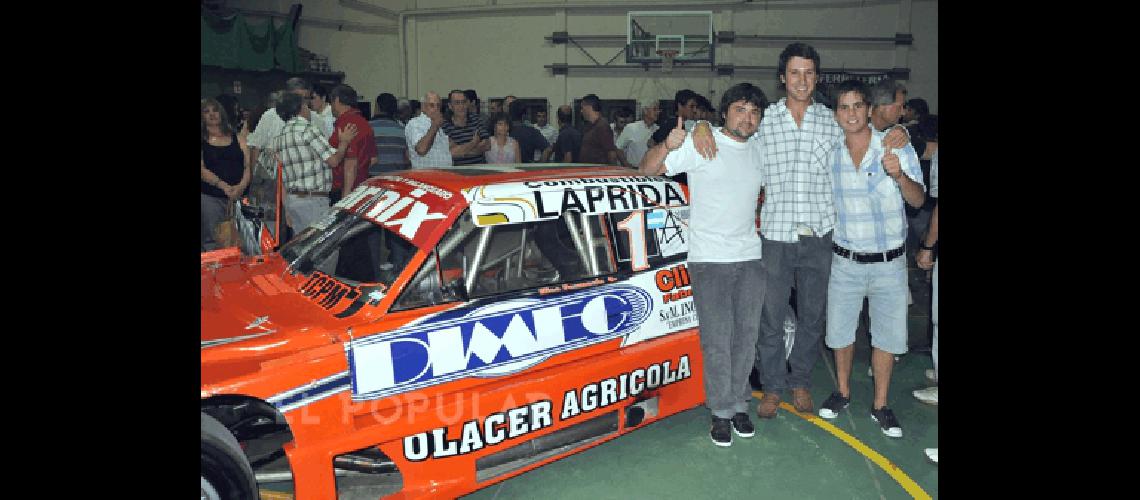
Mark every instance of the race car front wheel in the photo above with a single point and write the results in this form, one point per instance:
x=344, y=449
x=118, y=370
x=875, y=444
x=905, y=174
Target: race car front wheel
x=226, y=473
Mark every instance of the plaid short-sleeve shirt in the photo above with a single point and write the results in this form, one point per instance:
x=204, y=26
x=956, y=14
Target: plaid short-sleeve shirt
x=868, y=203
x=304, y=150
x=797, y=170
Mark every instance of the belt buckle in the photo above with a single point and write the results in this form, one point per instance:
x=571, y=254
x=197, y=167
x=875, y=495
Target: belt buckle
x=805, y=231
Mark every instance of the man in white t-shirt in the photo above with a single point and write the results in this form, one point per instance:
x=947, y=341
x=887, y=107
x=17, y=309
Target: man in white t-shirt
x=634, y=138
x=724, y=252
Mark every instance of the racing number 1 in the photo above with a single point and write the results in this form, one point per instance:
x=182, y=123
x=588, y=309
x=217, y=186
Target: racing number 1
x=634, y=225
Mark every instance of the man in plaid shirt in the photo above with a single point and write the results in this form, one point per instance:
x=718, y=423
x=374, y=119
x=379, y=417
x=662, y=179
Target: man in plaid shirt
x=308, y=161
x=795, y=142
x=870, y=184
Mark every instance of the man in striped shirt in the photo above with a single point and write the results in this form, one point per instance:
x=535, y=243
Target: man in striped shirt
x=466, y=131
x=870, y=184
x=391, y=146
x=308, y=160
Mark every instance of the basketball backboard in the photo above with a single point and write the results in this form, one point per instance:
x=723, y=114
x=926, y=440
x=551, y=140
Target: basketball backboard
x=689, y=33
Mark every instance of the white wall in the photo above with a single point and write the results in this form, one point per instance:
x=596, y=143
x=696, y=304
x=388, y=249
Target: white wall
x=499, y=52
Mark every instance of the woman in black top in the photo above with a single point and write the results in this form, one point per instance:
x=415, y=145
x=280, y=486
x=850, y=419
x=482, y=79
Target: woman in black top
x=225, y=168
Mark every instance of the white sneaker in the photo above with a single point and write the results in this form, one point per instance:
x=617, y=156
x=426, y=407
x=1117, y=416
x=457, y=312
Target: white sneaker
x=931, y=454
x=928, y=395
x=931, y=376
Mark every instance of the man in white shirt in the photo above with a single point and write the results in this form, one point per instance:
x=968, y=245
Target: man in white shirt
x=634, y=138
x=427, y=143
x=724, y=252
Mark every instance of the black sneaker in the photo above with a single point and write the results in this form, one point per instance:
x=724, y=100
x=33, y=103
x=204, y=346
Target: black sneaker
x=887, y=422
x=742, y=425
x=720, y=433
x=834, y=404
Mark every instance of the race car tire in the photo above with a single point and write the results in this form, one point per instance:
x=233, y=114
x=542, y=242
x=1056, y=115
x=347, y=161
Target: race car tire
x=226, y=473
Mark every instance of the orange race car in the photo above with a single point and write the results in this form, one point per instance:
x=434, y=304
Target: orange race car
x=442, y=330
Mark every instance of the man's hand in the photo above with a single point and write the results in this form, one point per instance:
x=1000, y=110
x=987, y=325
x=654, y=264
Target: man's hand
x=703, y=140
x=676, y=136
x=892, y=166
x=347, y=133
x=925, y=259
x=896, y=138
x=436, y=116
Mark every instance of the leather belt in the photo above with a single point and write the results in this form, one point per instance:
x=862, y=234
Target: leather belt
x=864, y=258
x=309, y=193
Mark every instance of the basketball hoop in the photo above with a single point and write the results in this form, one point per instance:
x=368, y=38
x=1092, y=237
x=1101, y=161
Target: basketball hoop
x=667, y=59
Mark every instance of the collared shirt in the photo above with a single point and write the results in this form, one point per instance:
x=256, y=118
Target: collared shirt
x=324, y=121
x=465, y=134
x=634, y=140
x=390, y=143
x=798, y=175
x=304, y=150
x=440, y=153
x=362, y=147
x=268, y=127
x=597, y=141
x=868, y=203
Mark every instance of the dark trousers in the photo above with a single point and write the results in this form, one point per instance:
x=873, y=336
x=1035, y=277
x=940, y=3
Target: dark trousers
x=806, y=264
x=727, y=296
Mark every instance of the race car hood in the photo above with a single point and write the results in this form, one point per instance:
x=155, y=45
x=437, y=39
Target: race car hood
x=255, y=299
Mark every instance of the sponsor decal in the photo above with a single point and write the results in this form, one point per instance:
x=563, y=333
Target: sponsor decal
x=496, y=428
x=672, y=235
x=493, y=340
x=517, y=202
x=405, y=214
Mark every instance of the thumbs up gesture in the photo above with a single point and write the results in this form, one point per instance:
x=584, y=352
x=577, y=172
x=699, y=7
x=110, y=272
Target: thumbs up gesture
x=676, y=137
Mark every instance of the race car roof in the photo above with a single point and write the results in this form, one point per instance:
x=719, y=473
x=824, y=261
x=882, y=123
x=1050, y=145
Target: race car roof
x=507, y=194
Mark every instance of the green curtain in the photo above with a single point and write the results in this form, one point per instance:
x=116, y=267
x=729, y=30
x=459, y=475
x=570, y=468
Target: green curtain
x=236, y=44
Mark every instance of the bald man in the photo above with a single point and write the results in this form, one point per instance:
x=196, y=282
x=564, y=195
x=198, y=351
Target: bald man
x=427, y=144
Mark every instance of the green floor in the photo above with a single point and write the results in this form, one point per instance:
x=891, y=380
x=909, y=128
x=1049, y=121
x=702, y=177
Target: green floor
x=788, y=458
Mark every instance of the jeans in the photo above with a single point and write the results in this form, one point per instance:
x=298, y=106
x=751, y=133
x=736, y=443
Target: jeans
x=728, y=297
x=212, y=212
x=884, y=286
x=303, y=211
x=807, y=262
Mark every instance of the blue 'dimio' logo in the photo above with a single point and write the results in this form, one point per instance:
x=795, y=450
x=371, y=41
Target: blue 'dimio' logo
x=492, y=340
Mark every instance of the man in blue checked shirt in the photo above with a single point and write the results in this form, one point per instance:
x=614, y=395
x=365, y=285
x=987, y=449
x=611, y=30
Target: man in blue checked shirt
x=870, y=184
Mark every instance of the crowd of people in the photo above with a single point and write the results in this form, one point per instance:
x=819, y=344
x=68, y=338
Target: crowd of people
x=844, y=190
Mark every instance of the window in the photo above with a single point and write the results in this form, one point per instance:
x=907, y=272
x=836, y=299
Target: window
x=482, y=261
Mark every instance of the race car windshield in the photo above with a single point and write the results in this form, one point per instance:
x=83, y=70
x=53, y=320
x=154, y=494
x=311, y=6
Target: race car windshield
x=350, y=248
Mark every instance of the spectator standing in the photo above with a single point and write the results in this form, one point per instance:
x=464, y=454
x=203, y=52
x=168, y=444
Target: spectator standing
x=568, y=146
x=724, y=253
x=308, y=161
x=322, y=117
x=504, y=148
x=870, y=186
x=597, y=138
x=403, y=112
x=888, y=97
x=913, y=111
x=225, y=168
x=542, y=123
x=427, y=145
x=684, y=105
x=466, y=131
x=634, y=138
x=530, y=141
x=391, y=146
x=352, y=170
